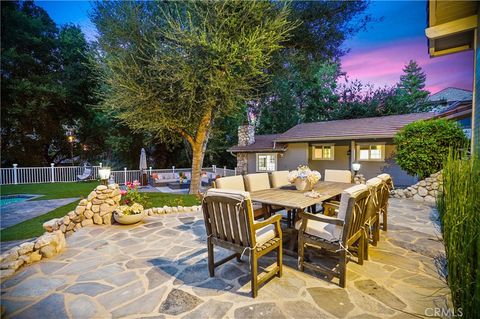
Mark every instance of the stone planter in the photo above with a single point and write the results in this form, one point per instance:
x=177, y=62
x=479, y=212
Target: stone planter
x=127, y=219
x=302, y=185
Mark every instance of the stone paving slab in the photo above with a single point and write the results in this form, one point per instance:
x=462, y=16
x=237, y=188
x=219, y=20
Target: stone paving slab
x=162, y=273
x=15, y=213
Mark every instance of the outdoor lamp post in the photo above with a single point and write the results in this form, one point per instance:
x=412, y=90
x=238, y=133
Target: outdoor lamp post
x=104, y=173
x=71, y=140
x=356, y=167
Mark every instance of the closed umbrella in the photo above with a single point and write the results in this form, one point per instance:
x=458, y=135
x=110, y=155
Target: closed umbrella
x=143, y=166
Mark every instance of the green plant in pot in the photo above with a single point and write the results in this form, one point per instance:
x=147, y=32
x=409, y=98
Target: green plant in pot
x=131, y=209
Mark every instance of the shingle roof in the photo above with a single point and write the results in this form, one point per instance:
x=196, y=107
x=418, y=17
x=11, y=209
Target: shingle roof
x=451, y=95
x=371, y=127
x=262, y=143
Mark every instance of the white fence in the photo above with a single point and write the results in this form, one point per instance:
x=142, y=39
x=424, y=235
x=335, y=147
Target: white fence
x=54, y=174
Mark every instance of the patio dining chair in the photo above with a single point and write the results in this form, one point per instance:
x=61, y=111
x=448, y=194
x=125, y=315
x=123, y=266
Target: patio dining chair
x=372, y=219
x=237, y=183
x=335, y=175
x=335, y=234
x=230, y=224
x=279, y=179
x=388, y=186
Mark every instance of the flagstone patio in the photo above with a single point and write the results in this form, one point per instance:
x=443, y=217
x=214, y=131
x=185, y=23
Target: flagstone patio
x=158, y=269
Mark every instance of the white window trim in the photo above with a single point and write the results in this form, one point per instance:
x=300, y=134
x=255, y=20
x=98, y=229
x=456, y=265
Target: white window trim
x=266, y=154
x=332, y=145
x=382, y=150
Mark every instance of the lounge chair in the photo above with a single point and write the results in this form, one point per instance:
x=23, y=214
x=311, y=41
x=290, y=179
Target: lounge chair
x=335, y=175
x=335, y=234
x=230, y=224
x=87, y=174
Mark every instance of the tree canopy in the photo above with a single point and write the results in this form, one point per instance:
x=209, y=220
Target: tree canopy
x=174, y=68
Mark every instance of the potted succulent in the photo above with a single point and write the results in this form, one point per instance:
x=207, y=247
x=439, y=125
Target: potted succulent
x=304, y=178
x=131, y=209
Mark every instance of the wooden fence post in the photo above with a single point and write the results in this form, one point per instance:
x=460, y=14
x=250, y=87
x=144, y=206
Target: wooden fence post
x=173, y=169
x=125, y=175
x=53, y=171
x=224, y=171
x=15, y=180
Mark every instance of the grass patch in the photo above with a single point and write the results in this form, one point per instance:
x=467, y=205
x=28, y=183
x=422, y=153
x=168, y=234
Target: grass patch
x=51, y=190
x=33, y=227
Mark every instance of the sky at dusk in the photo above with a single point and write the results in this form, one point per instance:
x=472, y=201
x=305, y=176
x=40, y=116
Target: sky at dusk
x=377, y=55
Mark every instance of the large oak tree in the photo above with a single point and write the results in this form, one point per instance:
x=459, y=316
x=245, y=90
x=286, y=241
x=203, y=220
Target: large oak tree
x=173, y=68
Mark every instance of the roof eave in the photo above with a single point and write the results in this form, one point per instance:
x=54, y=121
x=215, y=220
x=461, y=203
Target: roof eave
x=334, y=138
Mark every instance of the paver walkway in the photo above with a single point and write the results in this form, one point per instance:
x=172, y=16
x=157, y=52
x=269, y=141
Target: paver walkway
x=15, y=213
x=158, y=269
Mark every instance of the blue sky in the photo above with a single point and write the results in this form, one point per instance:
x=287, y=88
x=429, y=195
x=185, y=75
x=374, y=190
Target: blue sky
x=376, y=55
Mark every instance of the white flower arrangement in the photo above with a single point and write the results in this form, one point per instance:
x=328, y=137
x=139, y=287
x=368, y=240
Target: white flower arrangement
x=129, y=210
x=303, y=172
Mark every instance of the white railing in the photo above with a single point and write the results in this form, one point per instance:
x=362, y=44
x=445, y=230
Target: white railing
x=54, y=174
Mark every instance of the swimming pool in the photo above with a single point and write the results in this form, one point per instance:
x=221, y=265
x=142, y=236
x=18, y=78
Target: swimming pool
x=10, y=199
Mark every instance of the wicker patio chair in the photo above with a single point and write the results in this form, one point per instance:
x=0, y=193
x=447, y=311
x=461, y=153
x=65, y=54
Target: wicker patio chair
x=238, y=183
x=384, y=198
x=230, y=224
x=335, y=234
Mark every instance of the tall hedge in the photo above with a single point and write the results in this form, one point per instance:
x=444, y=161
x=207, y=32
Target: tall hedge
x=423, y=146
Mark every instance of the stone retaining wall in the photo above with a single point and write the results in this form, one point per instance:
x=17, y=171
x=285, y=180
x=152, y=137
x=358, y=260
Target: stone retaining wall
x=97, y=209
x=45, y=246
x=425, y=190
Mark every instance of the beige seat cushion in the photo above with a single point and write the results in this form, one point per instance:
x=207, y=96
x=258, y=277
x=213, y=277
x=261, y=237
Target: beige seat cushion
x=265, y=234
x=335, y=175
x=279, y=178
x=231, y=182
x=257, y=182
x=353, y=191
x=330, y=232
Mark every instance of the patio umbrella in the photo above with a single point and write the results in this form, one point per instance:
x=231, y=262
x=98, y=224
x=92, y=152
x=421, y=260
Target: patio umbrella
x=143, y=160
x=143, y=167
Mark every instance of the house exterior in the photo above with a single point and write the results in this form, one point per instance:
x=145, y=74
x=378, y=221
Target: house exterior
x=328, y=145
x=454, y=104
x=452, y=26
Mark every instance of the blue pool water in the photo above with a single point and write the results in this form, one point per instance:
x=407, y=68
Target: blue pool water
x=10, y=199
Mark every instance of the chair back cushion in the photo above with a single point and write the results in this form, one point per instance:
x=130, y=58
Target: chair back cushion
x=279, y=178
x=228, y=216
x=231, y=182
x=353, y=209
x=257, y=182
x=335, y=175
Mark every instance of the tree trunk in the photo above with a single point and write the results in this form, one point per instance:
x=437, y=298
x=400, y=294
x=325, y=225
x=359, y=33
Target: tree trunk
x=199, y=145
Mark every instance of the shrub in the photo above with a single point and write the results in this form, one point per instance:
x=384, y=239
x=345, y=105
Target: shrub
x=459, y=208
x=423, y=146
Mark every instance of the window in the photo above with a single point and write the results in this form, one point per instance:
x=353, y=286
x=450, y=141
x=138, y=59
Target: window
x=323, y=152
x=266, y=162
x=370, y=152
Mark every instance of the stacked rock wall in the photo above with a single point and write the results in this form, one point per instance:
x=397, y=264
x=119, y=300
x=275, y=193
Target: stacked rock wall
x=45, y=246
x=97, y=208
x=425, y=190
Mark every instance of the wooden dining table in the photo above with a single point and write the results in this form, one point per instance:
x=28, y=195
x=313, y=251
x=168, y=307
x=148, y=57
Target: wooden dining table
x=297, y=201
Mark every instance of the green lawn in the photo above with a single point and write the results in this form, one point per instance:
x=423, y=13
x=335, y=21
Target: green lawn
x=51, y=190
x=33, y=227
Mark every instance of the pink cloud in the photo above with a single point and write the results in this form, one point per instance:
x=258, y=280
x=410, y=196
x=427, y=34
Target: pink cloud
x=383, y=65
